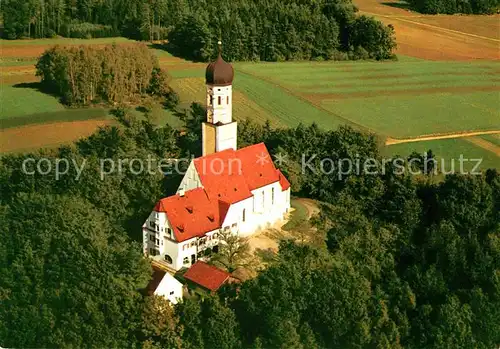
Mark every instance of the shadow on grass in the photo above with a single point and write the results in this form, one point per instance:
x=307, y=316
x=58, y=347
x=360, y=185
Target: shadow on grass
x=401, y=4
x=38, y=86
x=55, y=116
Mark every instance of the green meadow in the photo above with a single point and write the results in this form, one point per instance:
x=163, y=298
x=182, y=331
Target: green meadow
x=397, y=99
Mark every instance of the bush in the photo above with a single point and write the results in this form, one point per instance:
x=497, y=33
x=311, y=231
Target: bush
x=88, y=30
x=114, y=74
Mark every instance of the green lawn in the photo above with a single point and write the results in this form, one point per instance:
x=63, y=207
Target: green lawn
x=18, y=102
x=55, y=116
x=398, y=99
x=298, y=217
x=407, y=98
x=495, y=139
x=449, y=151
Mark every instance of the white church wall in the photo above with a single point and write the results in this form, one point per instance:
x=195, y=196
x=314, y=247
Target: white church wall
x=191, y=180
x=226, y=137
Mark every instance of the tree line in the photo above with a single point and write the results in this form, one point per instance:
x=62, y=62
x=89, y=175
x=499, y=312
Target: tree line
x=453, y=6
x=112, y=74
x=399, y=261
x=251, y=30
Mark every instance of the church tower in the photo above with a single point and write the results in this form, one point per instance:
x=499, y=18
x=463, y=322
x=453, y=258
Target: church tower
x=219, y=131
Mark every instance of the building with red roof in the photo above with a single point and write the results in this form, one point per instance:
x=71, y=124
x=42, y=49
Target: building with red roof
x=206, y=276
x=225, y=189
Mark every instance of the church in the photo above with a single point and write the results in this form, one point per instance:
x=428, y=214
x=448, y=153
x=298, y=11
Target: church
x=226, y=189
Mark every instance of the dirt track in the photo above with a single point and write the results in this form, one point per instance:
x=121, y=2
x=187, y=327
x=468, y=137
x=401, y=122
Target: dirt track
x=485, y=145
x=438, y=37
x=392, y=141
x=46, y=135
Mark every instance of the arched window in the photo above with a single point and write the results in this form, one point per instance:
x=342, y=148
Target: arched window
x=244, y=215
x=168, y=259
x=220, y=100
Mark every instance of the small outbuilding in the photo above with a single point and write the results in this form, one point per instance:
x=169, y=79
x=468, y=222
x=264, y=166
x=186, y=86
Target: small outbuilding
x=166, y=285
x=206, y=277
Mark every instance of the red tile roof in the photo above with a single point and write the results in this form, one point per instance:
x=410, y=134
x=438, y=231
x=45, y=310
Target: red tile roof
x=227, y=177
x=258, y=166
x=157, y=276
x=208, y=276
x=193, y=214
x=285, y=184
x=221, y=175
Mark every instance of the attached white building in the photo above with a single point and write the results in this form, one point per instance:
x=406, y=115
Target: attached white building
x=225, y=189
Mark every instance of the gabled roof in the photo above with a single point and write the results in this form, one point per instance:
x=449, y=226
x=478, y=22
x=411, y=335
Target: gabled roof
x=221, y=174
x=284, y=183
x=193, y=214
x=207, y=276
x=258, y=166
x=158, y=275
x=230, y=174
x=227, y=177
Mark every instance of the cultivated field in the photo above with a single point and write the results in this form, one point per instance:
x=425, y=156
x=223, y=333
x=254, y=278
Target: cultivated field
x=437, y=37
x=400, y=101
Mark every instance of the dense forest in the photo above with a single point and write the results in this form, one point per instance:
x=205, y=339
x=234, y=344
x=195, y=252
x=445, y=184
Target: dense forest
x=399, y=261
x=251, y=30
x=111, y=74
x=453, y=6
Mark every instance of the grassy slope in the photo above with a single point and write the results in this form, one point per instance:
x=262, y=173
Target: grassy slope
x=449, y=150
x=285, y=93
x=399, y=99
x=18, y=102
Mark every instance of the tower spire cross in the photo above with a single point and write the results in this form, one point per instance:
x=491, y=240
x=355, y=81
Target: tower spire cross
x=219, y=43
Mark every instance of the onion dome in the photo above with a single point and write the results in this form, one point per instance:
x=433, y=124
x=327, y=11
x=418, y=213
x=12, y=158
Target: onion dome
x=219, y=72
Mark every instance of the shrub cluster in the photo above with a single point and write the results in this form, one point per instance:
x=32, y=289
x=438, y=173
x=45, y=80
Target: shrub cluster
x=89, y=30
x=112, y=74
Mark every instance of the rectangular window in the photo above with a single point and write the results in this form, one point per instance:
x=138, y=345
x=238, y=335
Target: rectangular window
x=157, y=242
x=171, y=293
x=227, y=98
x=234, y=225
x=169, y=232
x=219, y=100
x=151, y=238
x=272, y=196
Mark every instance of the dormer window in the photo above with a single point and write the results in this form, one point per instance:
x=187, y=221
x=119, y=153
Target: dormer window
x=211, y=217
x=189, y=209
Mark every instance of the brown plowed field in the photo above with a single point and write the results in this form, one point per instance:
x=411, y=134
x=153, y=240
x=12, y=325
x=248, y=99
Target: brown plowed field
x=45, y=135
x=438, y=37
